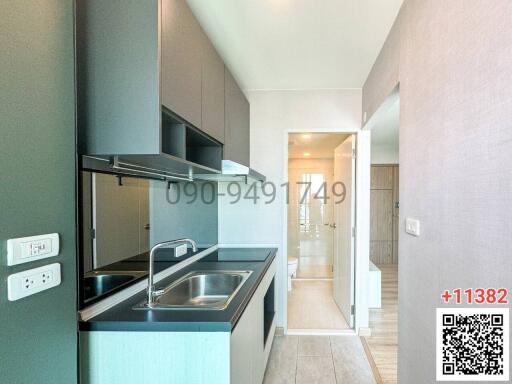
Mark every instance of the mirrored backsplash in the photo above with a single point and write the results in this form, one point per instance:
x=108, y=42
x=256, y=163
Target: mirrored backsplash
x=122, y=217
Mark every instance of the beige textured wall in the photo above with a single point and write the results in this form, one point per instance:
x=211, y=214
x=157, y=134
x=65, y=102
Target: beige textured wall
x=456, y=161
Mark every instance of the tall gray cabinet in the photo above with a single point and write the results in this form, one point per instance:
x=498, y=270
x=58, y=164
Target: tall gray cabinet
x=181, y=53
x=153, y=89
x=237, y=135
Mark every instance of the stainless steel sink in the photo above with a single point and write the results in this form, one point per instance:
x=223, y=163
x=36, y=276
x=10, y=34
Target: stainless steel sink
x=200, y=290
x=98, y=283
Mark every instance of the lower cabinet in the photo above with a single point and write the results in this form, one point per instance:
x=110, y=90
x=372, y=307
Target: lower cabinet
x=252, y=337
x=237, y=357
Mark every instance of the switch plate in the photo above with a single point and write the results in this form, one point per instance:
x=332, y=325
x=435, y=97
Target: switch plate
x=26, y=249
x=412, y=226
x=26, y=283
x=180, y=250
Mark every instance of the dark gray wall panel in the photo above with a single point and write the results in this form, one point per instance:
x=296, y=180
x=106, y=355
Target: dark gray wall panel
x=37, y=185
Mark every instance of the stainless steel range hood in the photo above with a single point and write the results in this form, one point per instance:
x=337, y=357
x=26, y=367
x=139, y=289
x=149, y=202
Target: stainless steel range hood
x=232, y=171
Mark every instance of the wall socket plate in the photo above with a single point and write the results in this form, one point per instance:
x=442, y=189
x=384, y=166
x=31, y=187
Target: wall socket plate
x=31, y=281
x=26, y=249
x=412, y=226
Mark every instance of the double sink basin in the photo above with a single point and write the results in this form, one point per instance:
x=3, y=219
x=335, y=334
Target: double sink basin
x=212, y=290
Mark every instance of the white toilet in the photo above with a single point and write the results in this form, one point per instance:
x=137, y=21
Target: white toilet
x=292, y=270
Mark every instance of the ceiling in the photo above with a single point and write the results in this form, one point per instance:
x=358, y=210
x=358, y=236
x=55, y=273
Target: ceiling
x=297, y=44
x=385, y=123
x=317, y=145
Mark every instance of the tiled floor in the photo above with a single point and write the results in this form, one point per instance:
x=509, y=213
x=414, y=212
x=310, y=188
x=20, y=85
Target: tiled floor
x=311, y=306
x=318, y=359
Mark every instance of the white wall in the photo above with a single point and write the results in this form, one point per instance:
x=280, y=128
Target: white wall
x=384, y=154
x=273, y=113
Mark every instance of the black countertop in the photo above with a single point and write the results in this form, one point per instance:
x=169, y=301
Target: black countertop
x=123, y=317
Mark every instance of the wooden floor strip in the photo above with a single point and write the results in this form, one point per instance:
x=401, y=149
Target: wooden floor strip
x=369, y=355
x=383, y=342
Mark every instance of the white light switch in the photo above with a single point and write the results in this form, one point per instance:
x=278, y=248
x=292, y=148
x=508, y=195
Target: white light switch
x=26, y=283
x=412, y=226
x=25, y=249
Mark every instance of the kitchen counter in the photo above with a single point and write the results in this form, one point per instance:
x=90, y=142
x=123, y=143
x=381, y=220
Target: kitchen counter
x=123, y=317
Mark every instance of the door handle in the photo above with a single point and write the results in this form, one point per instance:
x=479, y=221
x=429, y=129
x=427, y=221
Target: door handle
x=333, y=225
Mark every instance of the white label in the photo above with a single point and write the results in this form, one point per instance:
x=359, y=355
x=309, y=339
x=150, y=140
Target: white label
x=181, y=250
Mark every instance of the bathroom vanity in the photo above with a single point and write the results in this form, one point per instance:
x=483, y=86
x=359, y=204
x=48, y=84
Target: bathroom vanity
x=230, y=343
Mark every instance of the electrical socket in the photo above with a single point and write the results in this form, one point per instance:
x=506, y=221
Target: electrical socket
x=26, y=283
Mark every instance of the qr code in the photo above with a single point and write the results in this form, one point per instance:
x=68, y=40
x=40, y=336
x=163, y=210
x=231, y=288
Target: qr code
x=472, y=344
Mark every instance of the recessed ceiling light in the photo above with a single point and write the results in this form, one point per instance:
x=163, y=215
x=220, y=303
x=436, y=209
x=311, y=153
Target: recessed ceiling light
x=307, y=154
x=306, y=136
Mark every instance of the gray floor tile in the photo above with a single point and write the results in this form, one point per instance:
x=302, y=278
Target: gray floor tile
x=282, y=361
x=314, y=346
x=314, y=369
x=350, y=361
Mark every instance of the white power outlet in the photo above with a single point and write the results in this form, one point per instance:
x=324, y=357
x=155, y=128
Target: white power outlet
x=26, y=283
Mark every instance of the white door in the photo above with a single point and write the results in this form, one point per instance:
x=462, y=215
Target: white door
x=344, y=218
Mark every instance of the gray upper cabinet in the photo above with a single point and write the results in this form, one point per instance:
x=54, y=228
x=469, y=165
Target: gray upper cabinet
x=153, y=91
x=237, y=125
x=117, y=77
x=212, y=92
x=181, y=53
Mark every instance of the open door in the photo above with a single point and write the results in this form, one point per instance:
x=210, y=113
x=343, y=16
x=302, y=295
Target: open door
x=344, y=231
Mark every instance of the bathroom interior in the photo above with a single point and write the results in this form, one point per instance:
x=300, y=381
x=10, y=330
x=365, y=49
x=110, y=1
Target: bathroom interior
x=311, y=239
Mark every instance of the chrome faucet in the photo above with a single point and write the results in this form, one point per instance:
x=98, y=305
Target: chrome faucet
x=152, y=293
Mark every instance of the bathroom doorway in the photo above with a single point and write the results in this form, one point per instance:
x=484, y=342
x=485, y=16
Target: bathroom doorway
x=314, y=195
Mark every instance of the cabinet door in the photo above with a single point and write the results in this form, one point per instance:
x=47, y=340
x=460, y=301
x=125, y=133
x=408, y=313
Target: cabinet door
x=237, y=136
x=212, y=92
x=181, y=43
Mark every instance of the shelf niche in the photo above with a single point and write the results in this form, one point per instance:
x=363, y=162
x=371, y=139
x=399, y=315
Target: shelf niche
x=182, y=140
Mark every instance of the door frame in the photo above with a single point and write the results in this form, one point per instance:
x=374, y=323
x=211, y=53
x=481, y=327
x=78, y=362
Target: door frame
x=362, y=220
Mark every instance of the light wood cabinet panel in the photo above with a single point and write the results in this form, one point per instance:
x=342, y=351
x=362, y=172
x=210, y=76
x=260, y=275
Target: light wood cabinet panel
x=381, y=252
x=237, y=115
x=212, y=120
x=382, y=177
x=381, y=214
x=181, y=54
x=384, y=219
x=396, y=211
x=395, y=252
x=396, y=189
x=395, y=228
